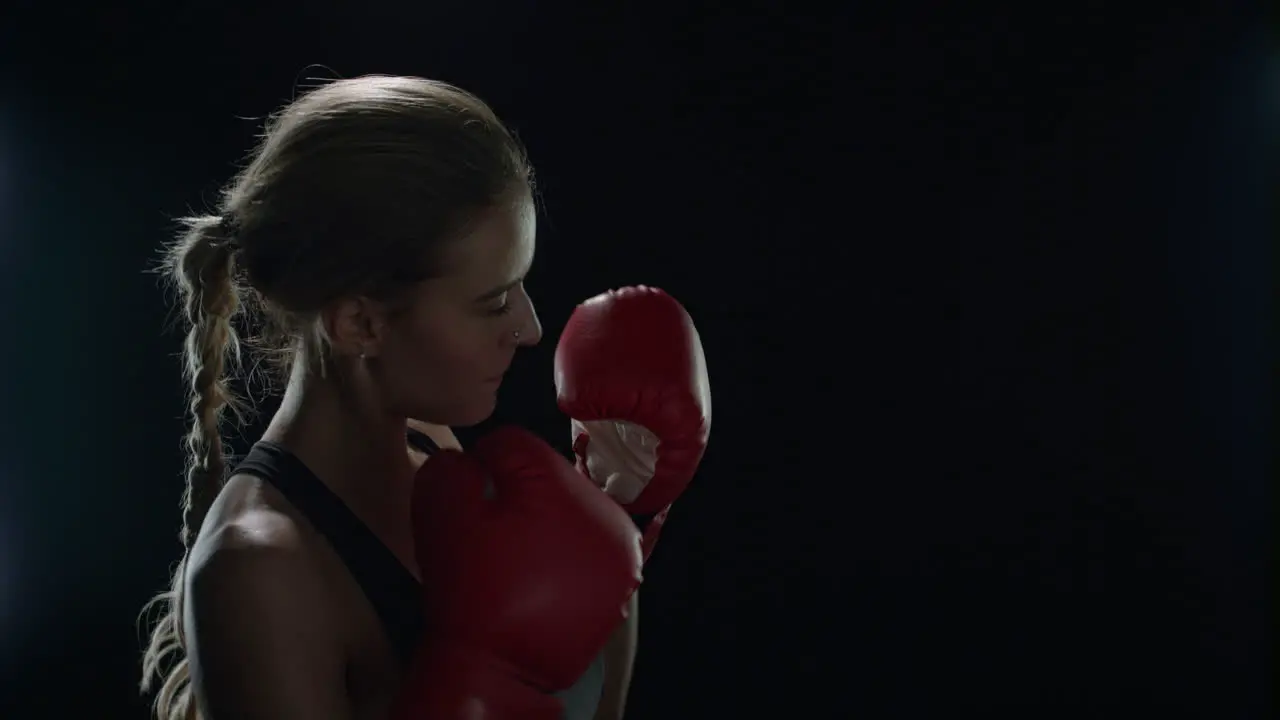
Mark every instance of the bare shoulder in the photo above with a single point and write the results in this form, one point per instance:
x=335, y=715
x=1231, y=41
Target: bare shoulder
x=249, y=533
x=254, y=557
x=256, y=608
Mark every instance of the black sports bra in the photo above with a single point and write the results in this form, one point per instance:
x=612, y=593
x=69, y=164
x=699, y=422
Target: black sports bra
x=392, y=590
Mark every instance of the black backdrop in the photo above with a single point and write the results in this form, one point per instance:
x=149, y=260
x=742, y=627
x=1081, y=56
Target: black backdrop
x=983, y=296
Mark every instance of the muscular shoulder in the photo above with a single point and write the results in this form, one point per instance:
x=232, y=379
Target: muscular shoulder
x=256, y=608
x=253, y=548
x=248, y=533
x=252, y=563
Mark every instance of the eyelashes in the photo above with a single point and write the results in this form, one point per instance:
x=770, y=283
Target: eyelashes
x=501, y=310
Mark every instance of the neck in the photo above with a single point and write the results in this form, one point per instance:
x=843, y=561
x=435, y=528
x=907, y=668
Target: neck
x=355, y=449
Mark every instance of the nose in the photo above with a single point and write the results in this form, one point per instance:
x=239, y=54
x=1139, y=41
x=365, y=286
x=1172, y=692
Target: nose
x=530, y=328
x=525, y=328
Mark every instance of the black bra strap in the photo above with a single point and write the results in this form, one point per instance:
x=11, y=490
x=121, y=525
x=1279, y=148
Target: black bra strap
x=421, y=442
x=392, y=590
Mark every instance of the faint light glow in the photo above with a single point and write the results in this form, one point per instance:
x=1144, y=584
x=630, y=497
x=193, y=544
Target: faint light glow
x=9, y=532
x=9, y=581
x=5, y=164
x=1272, y=91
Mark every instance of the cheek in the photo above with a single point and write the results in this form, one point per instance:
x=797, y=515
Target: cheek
x=461, y=355
x=445, y=351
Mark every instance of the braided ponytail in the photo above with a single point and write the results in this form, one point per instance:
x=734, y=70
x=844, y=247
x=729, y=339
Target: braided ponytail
x=355, y=190
x=201, y=265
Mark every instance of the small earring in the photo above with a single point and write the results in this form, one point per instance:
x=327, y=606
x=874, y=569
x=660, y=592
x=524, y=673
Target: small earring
x=515, y=334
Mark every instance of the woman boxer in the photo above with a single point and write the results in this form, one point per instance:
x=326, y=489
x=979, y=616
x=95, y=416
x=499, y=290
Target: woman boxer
x=379, y=239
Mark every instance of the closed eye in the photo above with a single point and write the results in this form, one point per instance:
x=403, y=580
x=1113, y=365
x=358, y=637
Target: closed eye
x=502, y=309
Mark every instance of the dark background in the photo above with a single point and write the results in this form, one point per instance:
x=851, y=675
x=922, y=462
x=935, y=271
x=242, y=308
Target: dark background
x=985, y=298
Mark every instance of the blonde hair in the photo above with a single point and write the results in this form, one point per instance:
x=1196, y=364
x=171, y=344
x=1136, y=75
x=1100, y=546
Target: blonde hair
x=200, y=263
x=353, y=190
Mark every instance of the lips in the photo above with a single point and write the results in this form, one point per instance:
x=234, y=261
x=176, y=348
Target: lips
x=500, y=375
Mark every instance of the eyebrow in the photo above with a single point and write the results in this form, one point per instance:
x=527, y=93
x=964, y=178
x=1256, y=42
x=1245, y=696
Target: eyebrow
x=498, y=291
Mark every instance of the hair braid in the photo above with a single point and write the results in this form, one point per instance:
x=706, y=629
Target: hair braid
x=355, y=189
x=201, y=264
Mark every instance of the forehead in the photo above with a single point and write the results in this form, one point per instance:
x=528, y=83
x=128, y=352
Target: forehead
x=498, y=247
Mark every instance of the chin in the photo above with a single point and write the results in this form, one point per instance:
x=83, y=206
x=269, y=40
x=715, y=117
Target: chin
x=458, y=411
x=475, y=412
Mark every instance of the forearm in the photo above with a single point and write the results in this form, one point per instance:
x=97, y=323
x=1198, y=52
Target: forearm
x=619, y=658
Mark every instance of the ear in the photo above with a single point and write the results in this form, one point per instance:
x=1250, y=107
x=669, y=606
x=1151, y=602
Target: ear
x=356, y=326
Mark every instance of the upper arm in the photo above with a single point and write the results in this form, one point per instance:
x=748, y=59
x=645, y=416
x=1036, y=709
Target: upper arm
x=260, y=639
x=619, y=659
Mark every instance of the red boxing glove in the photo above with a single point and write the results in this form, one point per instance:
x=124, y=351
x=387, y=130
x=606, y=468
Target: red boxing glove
x=631, y=374
x=526, y=570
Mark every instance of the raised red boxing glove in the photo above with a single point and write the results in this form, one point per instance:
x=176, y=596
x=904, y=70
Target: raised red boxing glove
x=631, y=373
x=526, y=570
